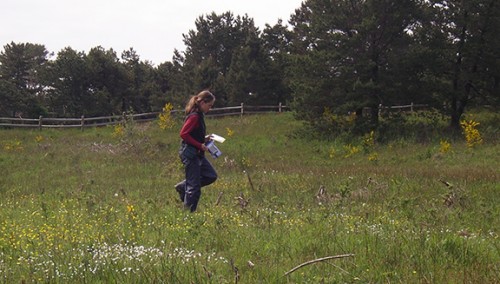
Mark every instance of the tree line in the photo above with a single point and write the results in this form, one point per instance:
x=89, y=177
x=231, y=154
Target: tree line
x=333, y=56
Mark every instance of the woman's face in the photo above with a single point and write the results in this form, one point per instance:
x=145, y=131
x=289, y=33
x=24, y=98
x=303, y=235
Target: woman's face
x=206, y=106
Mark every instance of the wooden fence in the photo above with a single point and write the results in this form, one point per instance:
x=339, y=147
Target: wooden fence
x=83, y=122
x=411, y=107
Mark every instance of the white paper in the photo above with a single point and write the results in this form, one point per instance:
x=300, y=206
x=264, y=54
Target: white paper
x=217, y=138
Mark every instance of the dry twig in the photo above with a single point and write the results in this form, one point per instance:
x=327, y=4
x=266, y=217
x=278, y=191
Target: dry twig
x=219, y=198
x=318, y=260
x=249, y=180
x=236, y=272
x=242, y=201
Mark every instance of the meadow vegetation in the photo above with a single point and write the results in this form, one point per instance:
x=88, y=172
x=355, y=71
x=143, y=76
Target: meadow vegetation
x=98, y=206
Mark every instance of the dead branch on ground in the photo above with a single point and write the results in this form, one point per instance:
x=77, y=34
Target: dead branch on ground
x=318, y=260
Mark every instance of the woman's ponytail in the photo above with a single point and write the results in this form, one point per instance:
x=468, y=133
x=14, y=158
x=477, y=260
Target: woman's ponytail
x=192, y=104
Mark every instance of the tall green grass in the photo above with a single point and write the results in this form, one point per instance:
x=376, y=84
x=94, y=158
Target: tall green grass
x=98, y=206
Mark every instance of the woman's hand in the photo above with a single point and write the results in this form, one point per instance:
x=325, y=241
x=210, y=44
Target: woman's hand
x=208, y=138
x=204, y=148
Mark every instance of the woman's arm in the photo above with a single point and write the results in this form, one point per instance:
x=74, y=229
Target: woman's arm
x=190, y=124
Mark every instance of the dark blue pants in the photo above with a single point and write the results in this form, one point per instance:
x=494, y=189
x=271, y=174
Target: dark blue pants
x=199, y=173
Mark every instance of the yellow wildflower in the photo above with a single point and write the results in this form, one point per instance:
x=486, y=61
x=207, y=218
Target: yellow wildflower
x=471, y=133
x=165, y=119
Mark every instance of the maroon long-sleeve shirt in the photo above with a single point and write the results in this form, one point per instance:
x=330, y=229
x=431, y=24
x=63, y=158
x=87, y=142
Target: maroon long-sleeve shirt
x=190, y=124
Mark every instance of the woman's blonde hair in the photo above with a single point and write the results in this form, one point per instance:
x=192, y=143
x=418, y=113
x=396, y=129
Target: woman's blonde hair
x=205, y=96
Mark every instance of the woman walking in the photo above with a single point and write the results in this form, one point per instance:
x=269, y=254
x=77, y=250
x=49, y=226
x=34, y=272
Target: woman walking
x=199, y=172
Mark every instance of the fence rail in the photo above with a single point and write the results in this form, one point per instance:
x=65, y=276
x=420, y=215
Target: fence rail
x=411, y=107
x=84, y=122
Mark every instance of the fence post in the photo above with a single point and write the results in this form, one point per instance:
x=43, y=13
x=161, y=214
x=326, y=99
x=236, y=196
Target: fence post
x=411, y=107
x=40, y=120
x=241, y=109
x=279, y=107
x=82, y=122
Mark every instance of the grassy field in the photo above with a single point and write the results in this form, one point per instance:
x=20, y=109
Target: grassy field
x=99, y=206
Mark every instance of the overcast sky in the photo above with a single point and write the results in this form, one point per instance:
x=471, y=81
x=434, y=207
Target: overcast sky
x=153, y=28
